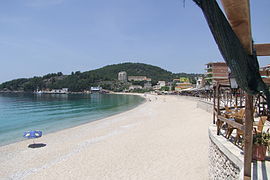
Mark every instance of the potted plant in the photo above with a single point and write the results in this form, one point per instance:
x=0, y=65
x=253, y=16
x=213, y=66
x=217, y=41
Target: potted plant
x=261, y=141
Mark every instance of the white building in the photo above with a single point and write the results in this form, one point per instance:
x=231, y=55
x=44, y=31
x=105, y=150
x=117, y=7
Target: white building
x=132, y=87
x=96, y=89
x=122, y=76
x=199, y=82
x=147, y=85
x=159, y=85
x=59, y=91
x=139, y=78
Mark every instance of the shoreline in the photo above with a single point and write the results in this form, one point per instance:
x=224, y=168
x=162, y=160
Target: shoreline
x=98, y=119
x=147, y=142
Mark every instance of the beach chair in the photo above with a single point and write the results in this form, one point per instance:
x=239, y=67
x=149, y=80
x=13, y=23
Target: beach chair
x=238, y=117
x=239, y=132
x=228, y=112
x=260, y=124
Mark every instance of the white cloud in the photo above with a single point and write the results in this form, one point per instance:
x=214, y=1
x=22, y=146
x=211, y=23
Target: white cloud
x=42, y=3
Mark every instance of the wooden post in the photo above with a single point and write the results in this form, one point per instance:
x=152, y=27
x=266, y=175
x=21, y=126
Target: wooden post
x=241, y=98
x=218, y=107
x=238, y=14
x=236, y=100
x=231, y=96
x=248, y=136
x=214, y=106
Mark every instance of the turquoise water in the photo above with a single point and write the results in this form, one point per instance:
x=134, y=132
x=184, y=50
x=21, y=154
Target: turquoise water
x=53, y=112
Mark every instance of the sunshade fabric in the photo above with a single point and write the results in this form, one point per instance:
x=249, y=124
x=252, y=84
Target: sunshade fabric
x=245, y=67
x=32, y=134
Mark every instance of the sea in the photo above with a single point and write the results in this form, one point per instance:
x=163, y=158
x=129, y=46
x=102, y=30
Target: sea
x=20, y=112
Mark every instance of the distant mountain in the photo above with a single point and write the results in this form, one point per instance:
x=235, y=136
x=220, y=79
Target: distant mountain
x=105, y=76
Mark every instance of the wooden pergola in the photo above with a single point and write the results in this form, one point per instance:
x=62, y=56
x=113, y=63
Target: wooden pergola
x=238, y=15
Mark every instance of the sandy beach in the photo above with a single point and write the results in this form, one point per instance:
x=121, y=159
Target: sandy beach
x=165, y=138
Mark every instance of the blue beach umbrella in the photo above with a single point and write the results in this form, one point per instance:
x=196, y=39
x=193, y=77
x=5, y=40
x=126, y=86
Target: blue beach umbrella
x=32, y=134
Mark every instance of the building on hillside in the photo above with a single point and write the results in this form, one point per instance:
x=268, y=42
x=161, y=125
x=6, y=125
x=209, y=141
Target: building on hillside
x=159, y=85
x=95, y=89
x=181, y=79
x=122, y=76
x=147, y=85
x=265, y=74
x=184, y=80
x=132, y=87
x=138, y=78
x=58, y=91
x=265, y=71
x=216, y=72
x=182, y=83
x=170, y=85
x=199, y=82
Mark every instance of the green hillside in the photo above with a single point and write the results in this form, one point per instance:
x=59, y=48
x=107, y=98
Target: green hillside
x=134, y=69
x=79, y=81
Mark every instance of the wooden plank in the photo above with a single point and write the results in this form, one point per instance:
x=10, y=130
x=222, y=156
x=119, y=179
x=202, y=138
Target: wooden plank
x=262, y=49
x=232, y=123
x=218, y=99
x=248, y=136
x=238, y=14
x=218, y=107
x=214, y=106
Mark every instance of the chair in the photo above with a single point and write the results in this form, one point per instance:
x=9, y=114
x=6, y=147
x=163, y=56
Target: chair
x=261, y=124
x=259, y=129
x=238, y=117
x=239, y=132
x=228, y=112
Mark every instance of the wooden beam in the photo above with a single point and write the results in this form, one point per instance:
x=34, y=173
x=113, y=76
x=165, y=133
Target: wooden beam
x=238, y=14
x=218, y=107
x=214, y=105
x=232, y=123
x=248, y=136
x=262, y=49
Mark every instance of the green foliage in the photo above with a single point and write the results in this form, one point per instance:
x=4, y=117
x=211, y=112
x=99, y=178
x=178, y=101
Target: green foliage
x=14, y=85
x=262, y=138
x=165, y=88
x=140, y=83
x=105, y=77
x=50, y=75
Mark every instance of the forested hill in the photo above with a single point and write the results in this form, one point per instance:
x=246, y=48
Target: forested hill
x=79, y=81
x=133, y=69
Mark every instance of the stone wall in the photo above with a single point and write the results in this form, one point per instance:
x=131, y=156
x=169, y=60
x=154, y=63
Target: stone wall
x=220, y=166
x=225, y=159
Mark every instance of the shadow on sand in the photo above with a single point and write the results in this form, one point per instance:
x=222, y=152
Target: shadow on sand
x=36, y=145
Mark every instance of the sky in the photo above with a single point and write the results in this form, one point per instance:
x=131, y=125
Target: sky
x=38, y=37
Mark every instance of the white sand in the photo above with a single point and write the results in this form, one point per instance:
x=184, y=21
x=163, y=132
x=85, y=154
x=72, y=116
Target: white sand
x=166, y=139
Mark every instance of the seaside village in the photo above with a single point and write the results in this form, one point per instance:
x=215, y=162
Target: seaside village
x=215, y=72
x=213, y=126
